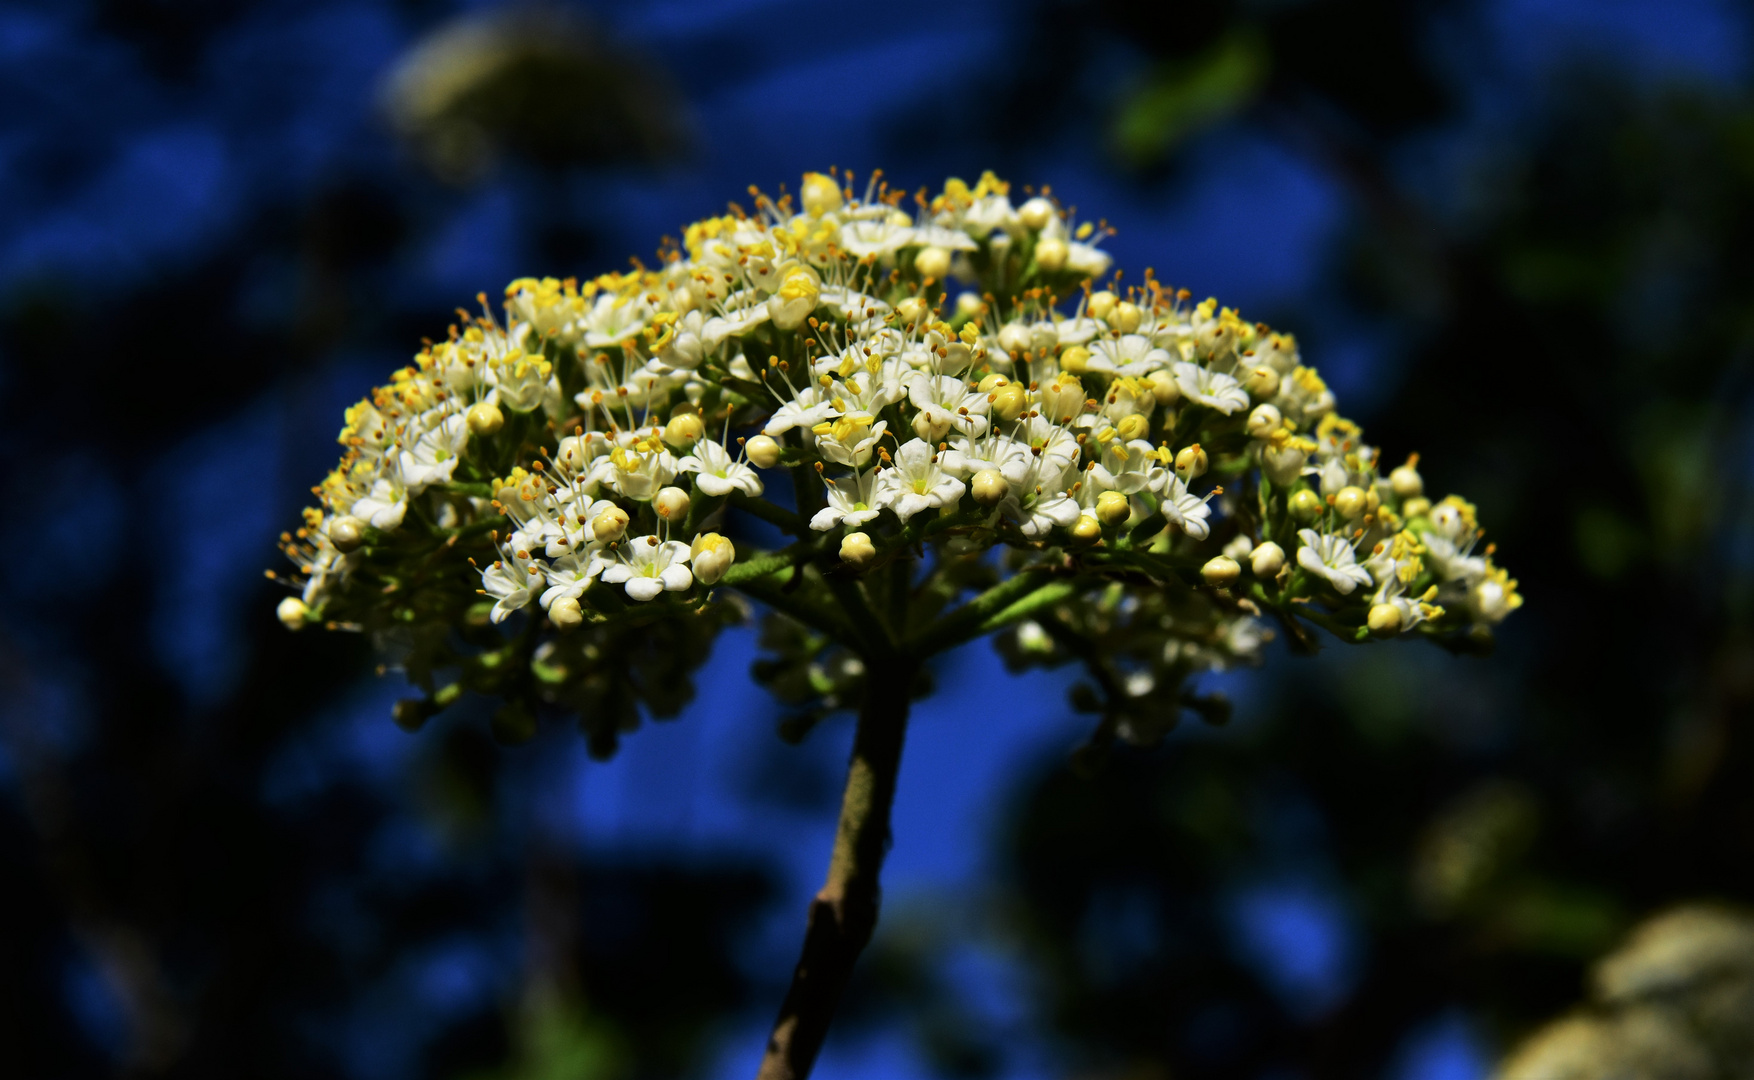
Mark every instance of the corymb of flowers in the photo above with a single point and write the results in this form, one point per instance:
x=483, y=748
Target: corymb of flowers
x=895, y=423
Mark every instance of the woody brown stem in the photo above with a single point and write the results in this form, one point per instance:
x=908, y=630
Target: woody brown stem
x=844, y=912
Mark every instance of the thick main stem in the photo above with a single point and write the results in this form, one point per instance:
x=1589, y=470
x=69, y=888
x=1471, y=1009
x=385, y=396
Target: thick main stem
x=844, y=912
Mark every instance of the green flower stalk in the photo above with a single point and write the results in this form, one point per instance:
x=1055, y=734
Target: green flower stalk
x=972, y=430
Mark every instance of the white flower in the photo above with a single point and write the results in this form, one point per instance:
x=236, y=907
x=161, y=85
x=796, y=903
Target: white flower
x=1331, y=558
x=916, y=483
x=1130, y=354
x=881, y=237
x=571, y=575
x=384, y=506
x=717, y=472
x=511, y=583
x=1183, y=509
x=614, y=318
x=946, y=402
x=850, y=439
x=650, y=567
x=941, y=236
x=433, y=458
x=806, y=410
x=1209, y=388
x=844, y=507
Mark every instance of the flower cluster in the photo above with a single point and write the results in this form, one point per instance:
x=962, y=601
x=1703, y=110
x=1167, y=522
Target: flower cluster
x=949, y=371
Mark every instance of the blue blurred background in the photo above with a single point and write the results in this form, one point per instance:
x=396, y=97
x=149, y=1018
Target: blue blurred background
x=221, y=222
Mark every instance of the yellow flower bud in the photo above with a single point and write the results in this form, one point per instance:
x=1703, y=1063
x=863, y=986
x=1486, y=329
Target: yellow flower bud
x=1133, y=427
x=1163, y=387
x=856, y=550
x=671, y=503
x=1267, y=560
x=1406, y=482
x=1263, y=421
x=989, y=487
x=821, y=194
x=609, y=525
x=992, y=382
x=1009, y=401
x=711, y=555
x=763, y=451
x=1351, y=502
x=484, y=418
x=1384, y=620
x=1126, y=317
x=1262, y=382
x=1306, y=506
x=933, y=262
x=1191, y=462
x=1036, y=213
x=1101, y=303
x=1014, y=337
x=1088, y=530
x=1416, y=507
x=293, y=613
x=565, y=613
x=1221, y=570
x=1112, y=508
x=1051, y=254
x=1075, y=360
x=969, y=305
x=346, y=533
x=684, y=430
x=912, y=310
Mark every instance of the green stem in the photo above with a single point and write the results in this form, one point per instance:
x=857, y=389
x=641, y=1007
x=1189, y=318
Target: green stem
x=966, y=621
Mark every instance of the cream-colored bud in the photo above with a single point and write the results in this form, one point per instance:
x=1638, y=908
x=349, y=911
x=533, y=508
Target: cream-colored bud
x=484, y=418
x=1009, y=401
x=1163, y=387
x=346, y=532
x=1306, y=506
x=1126, y=317
x=1406, y=482
x=1351, y=502
x=969, y=305
x=1221, y=570
x=682, y=299
x=1051, y=254
x=293, y=613
x=1087, y=530
x=992, y=382
x=1416, y=507
x=932, y=426
x=763, y=451
x=1112, y=508
x=565, y=613
x=989, y=487
x=1133, y=427
x=796, y=298
x=821, y=194
x=1263, y=421
x=711, y=555
x=1267, y=559
x=1075, y=360
x=1036, y=213
x=671, y=503
x=933, y=262
x=1014, y=337
x=609, y=525
x=1262, y=382
x=1191, y=462
x=684, y=430
x=912, y=310
x=1062, y=398
x=1384, y=620
x=856, y=549
x=1282, y=465
x=1101, y=303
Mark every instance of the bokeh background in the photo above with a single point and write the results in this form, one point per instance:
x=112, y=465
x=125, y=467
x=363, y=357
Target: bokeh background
x=1517, y=236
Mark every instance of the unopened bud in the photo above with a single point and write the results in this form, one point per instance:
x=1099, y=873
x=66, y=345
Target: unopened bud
x=1112, y=508
x=1036, y=213
x=821, y=194
x=1014, y=337
x=609, y=525
x=992, y=382
x=565, y=613
x=1101, y=303
x=1351, y=502
x=912, y=310
x=684, y=430
x=856, y=550
x=711, y=555
x=1009, y=401
x=1306, y=506
x=671, y=503
x=1406, y=482
x=1191, y=462
x=1051, y=254
x=1063, y=398
x=1384, y=620
x=1075, y=360
x=1126, y=317
x=293, y=613
x=931, y=426
x=484, y=418
x=1163, y=387
x=1133, y=427
x=1262, y=382
x=1263, y=421
x=933, y=262
x=1221, y=570
x=346, y=533
x=1267, y=559
x=763, y=451
x=969, y=305
x=1087, y=530
x=1416, y=507
x=989, y=487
